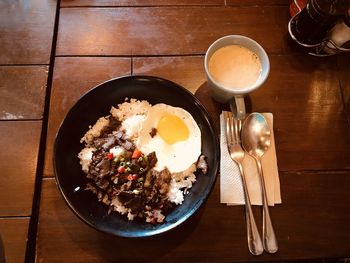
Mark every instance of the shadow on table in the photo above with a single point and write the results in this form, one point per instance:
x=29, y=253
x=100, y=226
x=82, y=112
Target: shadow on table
x=2, y=251
x=109, y=248
x=214, y=108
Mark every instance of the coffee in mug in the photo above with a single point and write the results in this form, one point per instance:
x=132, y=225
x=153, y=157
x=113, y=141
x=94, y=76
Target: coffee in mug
x=235, y=67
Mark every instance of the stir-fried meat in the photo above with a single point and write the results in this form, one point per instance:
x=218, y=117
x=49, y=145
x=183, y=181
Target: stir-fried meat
x=112, y=126
x=123, y=141
x=152, y=159
x=125, y=196
x=127, y=145
x=131, y=200
x=148, y=179
x=91, y=187
x=129, y=178
x=105, y=142
x=153, y=132
x=103, y=168
x=202, y=164
x=126, y=186
x=162, y=180
x=102, y=183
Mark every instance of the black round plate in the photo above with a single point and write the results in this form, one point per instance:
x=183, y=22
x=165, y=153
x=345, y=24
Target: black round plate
x=97, y=103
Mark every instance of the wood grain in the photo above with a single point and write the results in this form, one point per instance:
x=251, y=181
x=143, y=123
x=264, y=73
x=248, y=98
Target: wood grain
x=167, y=30
x=311, y=127
x=73, y=77
x=19, y=144
x=310, y=122
x=303, y=94
x=26, y=31
x=257, y=2
x=216, y=233
x=71, y=3
x=67, y=3
x=13, y=232
x=22, y=92
x=344, y=77
x=186, y=71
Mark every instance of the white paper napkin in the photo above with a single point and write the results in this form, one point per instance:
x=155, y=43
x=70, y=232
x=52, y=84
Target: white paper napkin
x=231, y=189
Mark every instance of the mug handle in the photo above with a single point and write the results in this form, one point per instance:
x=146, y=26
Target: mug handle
x=237, y=107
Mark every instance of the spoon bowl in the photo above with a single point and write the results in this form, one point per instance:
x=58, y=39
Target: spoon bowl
x=256, y=140
x=256, y=135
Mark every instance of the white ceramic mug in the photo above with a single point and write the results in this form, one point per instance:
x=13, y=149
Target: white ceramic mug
x=230, y=95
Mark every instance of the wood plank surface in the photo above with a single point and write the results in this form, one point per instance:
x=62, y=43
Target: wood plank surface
x=73, y=77
x=19, y=144
x=216, y=233
x=186, y=71
x=257, y=2
x=13, y=232
x=302, y=88
x=104, y=39
x=22, y=92
x=68, y=3
x=167, y=30
x=85, y=3
x=344, y=76
x=310, y=122
x=26, y=31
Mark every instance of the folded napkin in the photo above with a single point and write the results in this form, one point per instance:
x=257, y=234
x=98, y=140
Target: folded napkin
x=231, y=189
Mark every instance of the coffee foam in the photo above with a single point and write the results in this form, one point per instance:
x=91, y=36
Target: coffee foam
x=235, y=67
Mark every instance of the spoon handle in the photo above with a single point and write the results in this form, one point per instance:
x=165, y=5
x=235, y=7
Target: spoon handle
x=254, y=240
x=269, y=237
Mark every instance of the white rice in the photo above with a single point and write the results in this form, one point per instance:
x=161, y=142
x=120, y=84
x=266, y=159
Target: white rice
x=128, y=109
x=119, y=207
x=183, y=180
x=132, y=125
x=131, y=114
x=85, y=157
x=95, y=131
x=117, y=151
x=155, y=215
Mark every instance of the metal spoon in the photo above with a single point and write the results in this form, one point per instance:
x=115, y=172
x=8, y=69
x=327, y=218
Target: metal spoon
x=256, y=139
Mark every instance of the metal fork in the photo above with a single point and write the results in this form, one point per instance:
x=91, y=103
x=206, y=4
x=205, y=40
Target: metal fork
x=236, y=152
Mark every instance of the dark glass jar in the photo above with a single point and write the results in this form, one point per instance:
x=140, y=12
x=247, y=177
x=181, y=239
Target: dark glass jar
x=339, y=37
x=311, y=25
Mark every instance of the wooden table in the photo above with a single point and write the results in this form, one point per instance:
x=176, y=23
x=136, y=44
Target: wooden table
x=93, y=41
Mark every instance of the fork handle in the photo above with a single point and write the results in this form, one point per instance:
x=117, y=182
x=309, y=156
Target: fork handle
x=269, y=237
x=254, y=240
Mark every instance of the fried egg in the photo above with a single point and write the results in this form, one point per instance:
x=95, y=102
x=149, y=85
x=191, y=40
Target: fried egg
x=174, y=136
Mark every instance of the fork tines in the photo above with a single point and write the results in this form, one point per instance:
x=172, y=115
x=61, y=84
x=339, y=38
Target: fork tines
x=232, y=128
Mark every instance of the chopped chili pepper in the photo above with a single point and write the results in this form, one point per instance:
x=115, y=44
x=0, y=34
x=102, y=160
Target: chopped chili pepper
x=109, y=156
x=136, y=154
x=121, y=169
x=132, y=177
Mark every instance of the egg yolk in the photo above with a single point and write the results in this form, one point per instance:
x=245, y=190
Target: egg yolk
x=172, y=129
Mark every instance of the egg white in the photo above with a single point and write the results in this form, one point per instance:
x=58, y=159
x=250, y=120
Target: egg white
x=176, y=157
